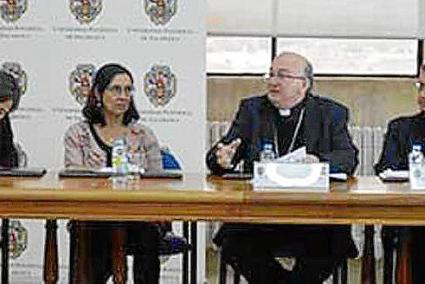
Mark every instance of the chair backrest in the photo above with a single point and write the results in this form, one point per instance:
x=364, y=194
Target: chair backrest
x=169, y=161
x=22, y=155
x=369, y=140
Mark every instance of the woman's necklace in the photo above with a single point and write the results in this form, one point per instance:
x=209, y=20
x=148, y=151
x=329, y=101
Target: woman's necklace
x=109, y=135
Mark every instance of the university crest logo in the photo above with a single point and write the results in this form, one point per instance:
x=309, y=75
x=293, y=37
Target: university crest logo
x=160, y=85
x=160, y=11
x=12, y=10
x=80, y=82
x=18, y=238
x=85, y=11
x=18, y=73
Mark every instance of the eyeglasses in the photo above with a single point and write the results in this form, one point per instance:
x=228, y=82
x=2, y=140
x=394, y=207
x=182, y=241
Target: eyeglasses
x=117, y=90
x=420, y=86
x=4, y=99
x=281, y=76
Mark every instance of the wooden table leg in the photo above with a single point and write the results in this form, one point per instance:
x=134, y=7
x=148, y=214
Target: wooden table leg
x=193, y=253
x=404, y=272
x=73, y=245
x=368, y=261
x=80, y=248
x=50, y=274
x=119, y=266
x=185, y=259
x=388, y=236
x=5, y=251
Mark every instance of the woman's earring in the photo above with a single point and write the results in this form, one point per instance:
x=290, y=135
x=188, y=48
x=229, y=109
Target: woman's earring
x=98, y=99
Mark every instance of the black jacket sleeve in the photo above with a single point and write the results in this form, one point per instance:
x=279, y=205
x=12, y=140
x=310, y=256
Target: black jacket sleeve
x=343, y=154
x=8, y=153
x=240, y=128
x=393, y=155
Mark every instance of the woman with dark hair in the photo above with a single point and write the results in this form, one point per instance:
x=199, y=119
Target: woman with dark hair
x=111, y=114
x=9, y=100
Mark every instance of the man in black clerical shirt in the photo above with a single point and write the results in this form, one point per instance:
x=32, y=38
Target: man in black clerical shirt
x=288, y=116
x=402, y=133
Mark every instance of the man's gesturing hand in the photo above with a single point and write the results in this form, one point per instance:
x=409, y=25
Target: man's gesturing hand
x=226, y=152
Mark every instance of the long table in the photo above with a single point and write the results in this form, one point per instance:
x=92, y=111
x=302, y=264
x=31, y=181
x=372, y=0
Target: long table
x=364, y=200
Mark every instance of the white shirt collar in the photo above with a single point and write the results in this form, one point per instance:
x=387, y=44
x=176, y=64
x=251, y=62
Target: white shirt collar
x=285, y=111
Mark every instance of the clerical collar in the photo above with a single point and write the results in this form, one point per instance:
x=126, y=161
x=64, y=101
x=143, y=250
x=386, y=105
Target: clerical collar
x=285, y=111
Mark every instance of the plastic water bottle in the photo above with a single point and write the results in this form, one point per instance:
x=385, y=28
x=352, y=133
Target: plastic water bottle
x=416, y=159
x=267, y=155
x=120, y=162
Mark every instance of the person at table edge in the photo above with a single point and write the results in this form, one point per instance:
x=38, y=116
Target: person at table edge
x=289, y=116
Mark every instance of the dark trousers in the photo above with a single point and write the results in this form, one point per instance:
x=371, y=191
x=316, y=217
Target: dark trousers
x=397, y=234
x=141, y=241
x=418, y=255
x=252, y=249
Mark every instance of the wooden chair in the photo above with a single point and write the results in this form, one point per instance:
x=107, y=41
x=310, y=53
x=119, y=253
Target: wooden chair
x=4, y=251
x=397, y=241
x=4, y=243
x=339, y=274
x=79, y=236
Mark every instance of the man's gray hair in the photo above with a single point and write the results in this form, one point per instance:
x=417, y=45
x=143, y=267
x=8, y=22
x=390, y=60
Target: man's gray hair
x=308, y=69
x=309, y=74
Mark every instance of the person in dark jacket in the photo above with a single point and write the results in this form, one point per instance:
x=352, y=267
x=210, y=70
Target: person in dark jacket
x=402, y=133
x=9, y=100
x=289, y=116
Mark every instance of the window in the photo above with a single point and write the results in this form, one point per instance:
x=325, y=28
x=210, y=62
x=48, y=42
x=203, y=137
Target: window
x=238, y=54
x=356, y=56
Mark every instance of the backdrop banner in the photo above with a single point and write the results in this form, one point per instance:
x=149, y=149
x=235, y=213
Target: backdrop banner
x=55, y=47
